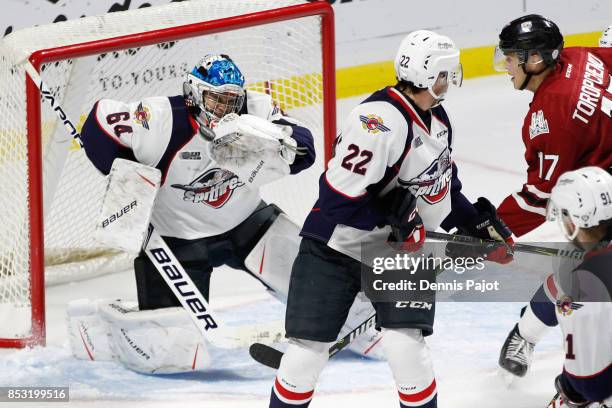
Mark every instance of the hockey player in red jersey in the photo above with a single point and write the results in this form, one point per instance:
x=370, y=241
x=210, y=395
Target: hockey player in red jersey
x=567, y=127
x=568, y=123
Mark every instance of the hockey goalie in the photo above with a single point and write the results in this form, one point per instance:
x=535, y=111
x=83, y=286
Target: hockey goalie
x=204, y=155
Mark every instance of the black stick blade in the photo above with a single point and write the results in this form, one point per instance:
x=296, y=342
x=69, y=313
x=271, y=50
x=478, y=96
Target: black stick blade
x=266, y=355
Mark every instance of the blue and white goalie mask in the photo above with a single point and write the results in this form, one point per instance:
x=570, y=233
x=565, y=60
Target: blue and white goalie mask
x=215, y=86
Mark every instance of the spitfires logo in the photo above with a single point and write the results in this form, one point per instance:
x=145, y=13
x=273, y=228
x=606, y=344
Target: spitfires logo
x=373, y=124
x=213, y=188
x=432, y=185
x=142, y=116
x=539, y=124
x=566, y=306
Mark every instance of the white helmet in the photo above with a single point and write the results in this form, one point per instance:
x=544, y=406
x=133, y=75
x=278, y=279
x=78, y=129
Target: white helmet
x=605, y=40
x=423, y=56
x=582, y=196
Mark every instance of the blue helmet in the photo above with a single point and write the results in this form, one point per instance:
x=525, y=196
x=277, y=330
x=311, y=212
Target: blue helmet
x=215, y=86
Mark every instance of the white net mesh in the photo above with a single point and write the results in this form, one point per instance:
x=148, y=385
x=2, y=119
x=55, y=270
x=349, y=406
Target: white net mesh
x=282, y=58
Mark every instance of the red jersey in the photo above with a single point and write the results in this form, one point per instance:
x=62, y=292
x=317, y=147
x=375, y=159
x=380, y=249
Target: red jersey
x=567, y=127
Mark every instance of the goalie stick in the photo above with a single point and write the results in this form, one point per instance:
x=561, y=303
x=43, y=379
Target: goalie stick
x=170, y=268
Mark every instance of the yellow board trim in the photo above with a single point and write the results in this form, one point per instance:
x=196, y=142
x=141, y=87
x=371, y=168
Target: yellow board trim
x=477, y=62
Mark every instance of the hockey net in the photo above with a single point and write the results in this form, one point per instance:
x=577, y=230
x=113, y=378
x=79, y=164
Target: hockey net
x=283, y=47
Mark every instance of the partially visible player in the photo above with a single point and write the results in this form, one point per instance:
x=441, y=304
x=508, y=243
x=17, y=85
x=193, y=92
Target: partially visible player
x=581, y=202
x=605, y=41
x=207, y=215
x=391, y=176
x=568, y=126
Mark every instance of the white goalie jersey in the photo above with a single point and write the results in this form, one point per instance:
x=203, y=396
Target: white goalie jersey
x=198, y=198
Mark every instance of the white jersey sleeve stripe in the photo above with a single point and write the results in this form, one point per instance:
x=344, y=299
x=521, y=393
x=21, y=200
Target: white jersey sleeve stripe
x=523, y=205
x=540, y=194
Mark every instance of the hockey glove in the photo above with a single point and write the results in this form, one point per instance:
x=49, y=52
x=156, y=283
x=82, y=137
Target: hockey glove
x=402, y=215
x=567, y=396
x=486, y=225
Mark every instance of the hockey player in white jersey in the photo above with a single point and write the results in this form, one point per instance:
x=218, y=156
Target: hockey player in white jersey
x=581, y=202
x=391, y=177
x=209, y=216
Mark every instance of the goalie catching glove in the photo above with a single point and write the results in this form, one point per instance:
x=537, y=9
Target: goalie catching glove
x=485, y=225
x=254, y=149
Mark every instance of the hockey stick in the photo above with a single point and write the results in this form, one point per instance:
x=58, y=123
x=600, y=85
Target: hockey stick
x=169, y=267
x=196, y=305
x=552, y=403
x=533, y=249
x=271, y=357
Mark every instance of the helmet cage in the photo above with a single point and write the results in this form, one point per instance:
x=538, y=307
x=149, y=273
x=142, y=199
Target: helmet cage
x=213, y=101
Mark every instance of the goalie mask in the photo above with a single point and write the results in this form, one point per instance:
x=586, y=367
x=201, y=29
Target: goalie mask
x=214, y=88
x=581, y=199
x=427, y=59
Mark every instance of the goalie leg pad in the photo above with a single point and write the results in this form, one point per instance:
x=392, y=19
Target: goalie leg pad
x=162, y=341
x=271, y=259
x=410, y=362
x=298, y=373
x=87, y=332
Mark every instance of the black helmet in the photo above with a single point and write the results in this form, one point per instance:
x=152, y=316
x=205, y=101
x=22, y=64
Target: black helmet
x=532, y=33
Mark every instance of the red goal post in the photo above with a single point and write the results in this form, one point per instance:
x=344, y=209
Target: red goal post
x=294, y=90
